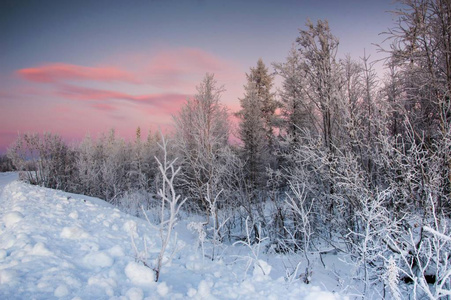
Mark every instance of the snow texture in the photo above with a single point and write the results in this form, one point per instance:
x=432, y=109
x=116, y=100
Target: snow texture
x=55, y=245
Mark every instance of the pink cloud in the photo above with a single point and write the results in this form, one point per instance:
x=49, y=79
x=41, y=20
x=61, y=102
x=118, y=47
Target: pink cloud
x=175, y=69
x=104, y=106
x=165, y=101
x=184, y=67
x=58, y=72
x=113, y=95
x=184, y=61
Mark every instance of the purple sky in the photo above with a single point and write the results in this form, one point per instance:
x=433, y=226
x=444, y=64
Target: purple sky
x=79, y=67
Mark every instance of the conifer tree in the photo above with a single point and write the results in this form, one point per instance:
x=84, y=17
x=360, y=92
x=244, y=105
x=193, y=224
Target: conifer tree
x=258, y=119
x=263, y=82
x=254, y=136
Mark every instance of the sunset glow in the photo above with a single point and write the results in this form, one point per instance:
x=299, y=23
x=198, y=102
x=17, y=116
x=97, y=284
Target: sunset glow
x=86, y=67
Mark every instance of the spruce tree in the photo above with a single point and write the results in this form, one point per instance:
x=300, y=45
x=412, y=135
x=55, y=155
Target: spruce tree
x=263, y=83
x=253, y=134
x=258, y=115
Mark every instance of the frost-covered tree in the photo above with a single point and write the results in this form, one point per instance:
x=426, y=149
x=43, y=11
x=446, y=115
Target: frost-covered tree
x=322, y=87
x=297, y=110
x=252, y=132
x=6, y=164
x=45, y=159
x=318, y=48
x=201, y=135
x=115, y=166
x=143, y=168
x=88, y=160
x=421, y=43
x=103, y=165
x=170, y=200
x=263, y=83
x=256, y=130
x=421, y=47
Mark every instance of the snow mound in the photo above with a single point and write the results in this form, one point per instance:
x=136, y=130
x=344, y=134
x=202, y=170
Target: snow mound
x=261, y=268
x=204, y=290
x=139, y=274
x=163, y=289
x=98, y=259
x=12, y=218
x=61, y=291
x=315, y=294
x=8, y=277
x=56, y=245
x=41, y=250
x=116, y=251
x=74, y=233
x=135, y=294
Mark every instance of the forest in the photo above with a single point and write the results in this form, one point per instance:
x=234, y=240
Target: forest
x=338, y=158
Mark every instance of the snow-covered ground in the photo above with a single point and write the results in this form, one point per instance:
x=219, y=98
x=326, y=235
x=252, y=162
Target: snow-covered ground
x=59, y=245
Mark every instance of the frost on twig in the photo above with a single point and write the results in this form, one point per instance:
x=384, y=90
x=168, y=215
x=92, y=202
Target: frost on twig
x=254, y=252
x=169, y=197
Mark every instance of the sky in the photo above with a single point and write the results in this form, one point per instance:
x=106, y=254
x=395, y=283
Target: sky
x=84, y=67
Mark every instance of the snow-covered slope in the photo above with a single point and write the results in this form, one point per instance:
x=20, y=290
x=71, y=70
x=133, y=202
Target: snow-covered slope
x=59, y=245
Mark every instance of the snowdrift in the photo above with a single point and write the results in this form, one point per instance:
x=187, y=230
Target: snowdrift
x=60, y=245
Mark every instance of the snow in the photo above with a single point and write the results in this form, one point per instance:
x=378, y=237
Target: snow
x=138, y=274
x=261, y=268
x=73, y=233
x=12, y=218
x=135, y=293
x=98, y=260
x=60, y=245
x=61, y=291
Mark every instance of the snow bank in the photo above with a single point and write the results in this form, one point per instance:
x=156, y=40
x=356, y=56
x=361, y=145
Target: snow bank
x=60, y=245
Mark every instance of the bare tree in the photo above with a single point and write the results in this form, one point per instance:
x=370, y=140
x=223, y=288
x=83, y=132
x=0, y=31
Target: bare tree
x=301, y=207
x=202, y=133
x=170, y=198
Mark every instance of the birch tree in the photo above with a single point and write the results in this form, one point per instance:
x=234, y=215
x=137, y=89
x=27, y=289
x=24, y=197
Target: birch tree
x=202, y=133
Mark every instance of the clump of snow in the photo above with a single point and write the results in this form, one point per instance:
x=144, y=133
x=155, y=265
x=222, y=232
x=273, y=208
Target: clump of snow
x=135, y=294
x=12, y=218
x=103, y=283
x=261, y=268
x=74, y=233
x=73, y=215
x=130, y=228
x=315, y=294
x=247, y=287
x=116, y=251
x=204, y=290
x=163, y=289
x=194, y=265
x=8, y=277
x=61, y=291
x=191, y=292
x=139, y=274
x=98, y=259
x=40, y=249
